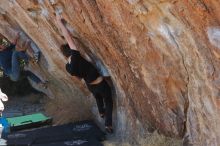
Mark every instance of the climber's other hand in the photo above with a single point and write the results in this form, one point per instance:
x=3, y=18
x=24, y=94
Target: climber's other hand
x=58, y=16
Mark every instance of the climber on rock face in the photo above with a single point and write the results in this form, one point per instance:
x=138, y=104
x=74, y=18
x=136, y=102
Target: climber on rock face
x=79, y=67
x=12, y=61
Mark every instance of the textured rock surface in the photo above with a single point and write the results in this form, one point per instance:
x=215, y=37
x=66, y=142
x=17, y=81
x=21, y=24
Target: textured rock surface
x=162, y=55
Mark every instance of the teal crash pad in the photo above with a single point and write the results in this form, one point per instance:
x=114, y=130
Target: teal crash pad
x=28, y=121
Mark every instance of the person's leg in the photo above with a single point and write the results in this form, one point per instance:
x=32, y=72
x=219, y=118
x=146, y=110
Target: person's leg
x=100, y=104
x=99, y=99
x=32, y=49
x=21, y=55
x=105, y=92
x=16, y=70
x=15, y=67
x=109, y=106
x=36, y=52
x=32, y=76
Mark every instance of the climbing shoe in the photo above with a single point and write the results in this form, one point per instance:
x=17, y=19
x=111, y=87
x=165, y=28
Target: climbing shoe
x=109, y=129
x=102, y=115
x=36, y=57
x=43, y=84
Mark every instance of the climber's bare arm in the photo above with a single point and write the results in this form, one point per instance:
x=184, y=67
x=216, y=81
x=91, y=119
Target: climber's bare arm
x=65, y=32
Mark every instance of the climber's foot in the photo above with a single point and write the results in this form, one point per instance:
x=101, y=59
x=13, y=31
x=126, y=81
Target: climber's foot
x=109, y=129
x=36, y=57
x=43, y=84
x=102, y=115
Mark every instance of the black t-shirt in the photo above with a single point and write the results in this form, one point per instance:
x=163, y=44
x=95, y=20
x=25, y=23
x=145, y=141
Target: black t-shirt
x=81, y=68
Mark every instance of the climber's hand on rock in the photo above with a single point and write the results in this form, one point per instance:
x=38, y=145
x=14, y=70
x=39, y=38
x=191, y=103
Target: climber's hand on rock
x=69, y=59
x=58, y=16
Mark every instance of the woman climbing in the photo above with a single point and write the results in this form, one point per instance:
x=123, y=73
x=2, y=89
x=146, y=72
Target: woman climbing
x=12, y=60
x=79, y=67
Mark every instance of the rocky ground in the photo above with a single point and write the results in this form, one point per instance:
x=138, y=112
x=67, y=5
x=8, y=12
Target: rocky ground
x=37, y=102
x=29, y=104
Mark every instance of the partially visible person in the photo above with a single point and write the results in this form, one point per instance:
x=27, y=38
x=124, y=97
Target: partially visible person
x=80, y=67
x=12, y=62
x=3, y=97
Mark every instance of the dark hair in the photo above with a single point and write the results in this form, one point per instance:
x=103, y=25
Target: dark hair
x=65, y=49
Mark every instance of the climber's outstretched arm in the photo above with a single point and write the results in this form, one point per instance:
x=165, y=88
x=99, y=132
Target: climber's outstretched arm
x=65, y=32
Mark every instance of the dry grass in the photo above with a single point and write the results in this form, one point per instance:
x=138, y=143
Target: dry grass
x=153, y=139
x=159, y=140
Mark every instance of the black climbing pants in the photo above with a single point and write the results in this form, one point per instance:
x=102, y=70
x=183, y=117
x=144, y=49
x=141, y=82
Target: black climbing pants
x=103, y=95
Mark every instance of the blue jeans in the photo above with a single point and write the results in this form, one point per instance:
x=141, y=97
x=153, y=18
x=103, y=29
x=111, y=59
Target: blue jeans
x=16, y=70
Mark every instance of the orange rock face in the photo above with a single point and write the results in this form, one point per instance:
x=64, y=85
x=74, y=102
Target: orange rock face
x=163, y=57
